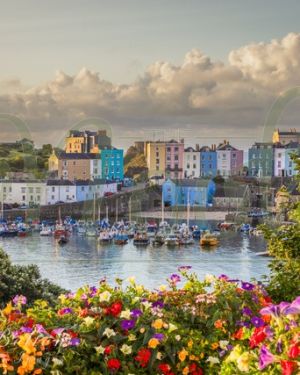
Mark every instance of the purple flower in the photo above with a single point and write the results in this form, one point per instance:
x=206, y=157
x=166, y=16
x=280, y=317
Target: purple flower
x=223, y=277
x=265, y=357
x=243, y=324
x=19, y=299
x=159, y=336
x=247, y=311
x=65, y=310
x=279, y=346
x=233, y=280
x=184, y=268
x=136, y=313
x=127, y=324
x=40, y=329
x=158, y=304
x=75, y=341
x=26, y=329
x=275, y=310
x=294, y=307
x=57, y=331
x=247, y=286
x=257, y=322
x=175, y=278
x=93, y=291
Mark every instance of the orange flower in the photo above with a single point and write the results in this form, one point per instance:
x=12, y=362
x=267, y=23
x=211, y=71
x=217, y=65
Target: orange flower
x=218, y=323
x=158, y=324
x=5, y=359
x=182, y=355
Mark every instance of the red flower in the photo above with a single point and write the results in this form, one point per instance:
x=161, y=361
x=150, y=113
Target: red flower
x=266, y=301
x=115, y=309
x=288, y=367
x=107, y=350
x=257, y=337
x=164, y=368
x=113, y=364
x=194, y=370
x=238, y=335
x=143, y=357
x=294, y=351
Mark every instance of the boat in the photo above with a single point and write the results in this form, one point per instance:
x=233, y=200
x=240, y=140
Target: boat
x=186, y=240
x=9, y=233
x=105, y=238
x=121, y=239
x=141, y=239
x=245, y=228
x=151, y=228
x=209, y=240
x=60, y=230
x=196, y=234
x=46, y=232
x=24, y=230
x=63, y=240
x=172, y=240
x=158, y=240
x=225, y=226
x=257, y=232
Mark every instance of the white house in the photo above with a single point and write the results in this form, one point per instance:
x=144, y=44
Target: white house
x=60, y=191
x=23, y=192
x=279, y=161
x=284, y=166
x=95, y=168
x=191, y=163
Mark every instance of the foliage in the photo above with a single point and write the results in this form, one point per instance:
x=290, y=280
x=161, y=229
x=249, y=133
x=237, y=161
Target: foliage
x=24, y=280
x=136, y=165
x=218, y=326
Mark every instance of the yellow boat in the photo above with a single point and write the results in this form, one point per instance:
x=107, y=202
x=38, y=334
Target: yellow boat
x=209, y=240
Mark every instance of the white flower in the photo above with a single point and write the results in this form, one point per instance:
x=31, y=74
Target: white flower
x=223, y=344
x=99, y=349
x=213, y=360
x=159, y=356
x=126, y=349
x=172, y=327
x=209, y=278
x=177, y=337
x=147, y=305
x=125, y=314
x=109, y=332
x=131, y=337
x=104, y=296
x=88, y=321
x=57, y=362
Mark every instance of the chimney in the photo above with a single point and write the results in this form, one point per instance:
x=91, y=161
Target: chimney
x=197, y=147
x=182, y=140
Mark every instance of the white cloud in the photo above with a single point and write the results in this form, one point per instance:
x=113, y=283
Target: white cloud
x=218, y=95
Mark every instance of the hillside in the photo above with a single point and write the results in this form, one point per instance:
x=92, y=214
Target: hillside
x=135, y=164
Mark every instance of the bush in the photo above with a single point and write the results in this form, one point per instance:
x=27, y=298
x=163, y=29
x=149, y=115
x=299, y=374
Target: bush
x=219, y=326
x=24, y=280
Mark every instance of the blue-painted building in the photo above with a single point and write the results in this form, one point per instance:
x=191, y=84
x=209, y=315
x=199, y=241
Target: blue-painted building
x=208, y=162
x=198, y=192
x=112, y=163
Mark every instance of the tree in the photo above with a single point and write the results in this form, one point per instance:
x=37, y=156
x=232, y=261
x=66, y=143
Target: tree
x=25, y=280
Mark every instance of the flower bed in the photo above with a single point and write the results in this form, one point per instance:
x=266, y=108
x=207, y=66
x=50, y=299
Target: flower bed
x=218, y=326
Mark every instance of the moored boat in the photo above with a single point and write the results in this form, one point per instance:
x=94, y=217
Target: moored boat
x=121, y=239
x=141, y=239
x=209, y=240
x=158, y=240
x=172, y=240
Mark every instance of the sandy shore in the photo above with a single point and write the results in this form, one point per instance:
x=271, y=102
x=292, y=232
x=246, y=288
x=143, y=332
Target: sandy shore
x=201, y=215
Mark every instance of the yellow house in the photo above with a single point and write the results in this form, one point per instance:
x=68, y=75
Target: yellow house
x=156, y=158
x=74, y=144
x=53, y=162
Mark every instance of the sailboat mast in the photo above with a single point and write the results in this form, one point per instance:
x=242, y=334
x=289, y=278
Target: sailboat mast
x=188, y=209
x=94, y=208
x=117, y=210
x=162, y=208
x=99, y=212
x=130, y=209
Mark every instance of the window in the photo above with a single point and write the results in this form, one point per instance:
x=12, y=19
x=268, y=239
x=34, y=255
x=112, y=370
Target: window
x=4, y=189
x=194, y=157
x=234, y=156
x=210, y=166
x=23, y=197
x=82, y=188
x=74, y=162
x=67, y=189
x=52, y=197
x=194, y=166
x=188, y=166
x=38, y=190
x=176, y=149
x=31, y=198
x=279, y=154
x=30, y=190
x=176, y=157
x=23, y=189
x=168, y=149
x=157, y=154
x=209, y=158
x=157, y=161
x=53, y=189
x=38, y=198
x=157, y=167
x=176, y=166
x=279, y=164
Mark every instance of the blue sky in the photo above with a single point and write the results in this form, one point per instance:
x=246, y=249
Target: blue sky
x=120, y=38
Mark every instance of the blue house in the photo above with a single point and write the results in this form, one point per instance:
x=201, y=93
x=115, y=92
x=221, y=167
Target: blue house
x=197, y=192
x=112, y=163
x=208, y=162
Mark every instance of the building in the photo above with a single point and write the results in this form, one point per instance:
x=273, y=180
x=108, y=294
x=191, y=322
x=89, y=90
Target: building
x=112, y=164
x=79, y=166
x=87, y=141
x=174, y=159
x=155, y=158
x=284, y=166
x=285, y=137
x=191, y=162
x=53, y=161
x=196, y=192
x=231, y=197
x=208, y=160
x=26, y=192
x=77, y=191
x=261, y=159
x=60, y=191
x=229, y=160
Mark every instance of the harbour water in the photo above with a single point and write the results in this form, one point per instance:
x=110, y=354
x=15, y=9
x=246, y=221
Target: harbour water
x=83, y=261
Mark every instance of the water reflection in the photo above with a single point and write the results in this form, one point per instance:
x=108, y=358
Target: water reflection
x=83, y=261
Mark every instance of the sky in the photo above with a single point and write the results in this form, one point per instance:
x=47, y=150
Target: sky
x=202, y=70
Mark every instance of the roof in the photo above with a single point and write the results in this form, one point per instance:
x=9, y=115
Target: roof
x=60, y=183
x=206, y=149
x=79, y=182
x=284, y=132
x=191, y=182
x=77, y=156
x=21, y=180
x=189, y=149
x=226, y=147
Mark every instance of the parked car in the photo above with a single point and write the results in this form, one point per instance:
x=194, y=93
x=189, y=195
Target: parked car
x=59, y=202
x=108, y=194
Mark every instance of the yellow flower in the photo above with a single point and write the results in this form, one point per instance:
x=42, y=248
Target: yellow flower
x=243, y=362
x=172, y=327
x=104, y=296
x=126, y=349
x=142, y=330
x=214, y=345
x=157, y=324
x=88, y=321
x=190, y=343
x=8, y=309
x=162, y=288
x=153, y=343
x=125, y=314
x=185, y=371
x=26, y=343
x=131, y=337
x=131, y=280
x=182, y=355
x=159, y=356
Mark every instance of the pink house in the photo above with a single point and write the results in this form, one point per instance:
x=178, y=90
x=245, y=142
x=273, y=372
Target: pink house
x=174, y=159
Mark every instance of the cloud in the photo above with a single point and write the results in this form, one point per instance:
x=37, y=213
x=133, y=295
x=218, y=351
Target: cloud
x=200, y=95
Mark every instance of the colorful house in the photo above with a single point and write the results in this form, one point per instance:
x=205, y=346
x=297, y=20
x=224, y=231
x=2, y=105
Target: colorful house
x=196, y=192
x=208, y=161
x=112, y=163
x=229, y=160
x=261, y=159
x=191, y=163
x=79, y=166
x=284, y=166
x=174, y=159
x=156, y=158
